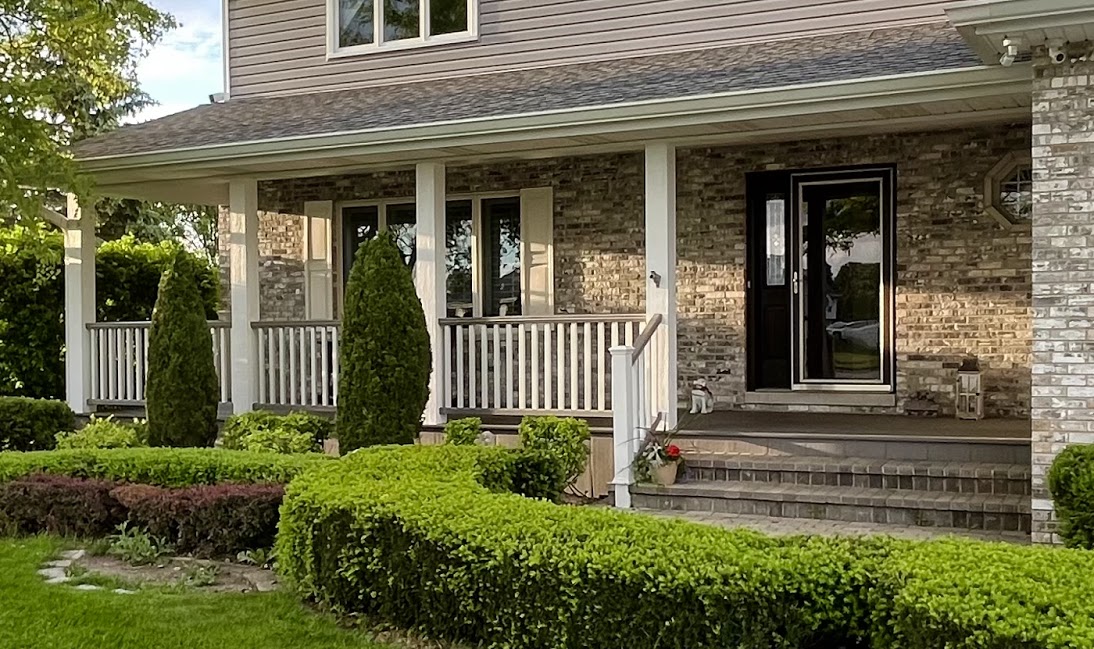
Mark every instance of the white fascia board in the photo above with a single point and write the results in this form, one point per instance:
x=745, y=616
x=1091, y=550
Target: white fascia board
x=985, y=23
x=875, y=92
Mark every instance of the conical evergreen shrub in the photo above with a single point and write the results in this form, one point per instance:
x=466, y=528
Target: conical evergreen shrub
x=385, y=359
x=182, y=391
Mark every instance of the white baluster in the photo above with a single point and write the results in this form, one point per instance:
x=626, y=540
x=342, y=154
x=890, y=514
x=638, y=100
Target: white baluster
x=548, y=366
x=497, y=365
x=522, y=377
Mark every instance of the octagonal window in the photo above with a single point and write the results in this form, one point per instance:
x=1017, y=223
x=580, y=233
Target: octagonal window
x=1016, y=194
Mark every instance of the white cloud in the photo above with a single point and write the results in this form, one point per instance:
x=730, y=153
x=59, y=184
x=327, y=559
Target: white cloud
x=186, y=67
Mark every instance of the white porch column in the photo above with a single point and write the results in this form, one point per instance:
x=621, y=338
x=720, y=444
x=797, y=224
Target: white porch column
x=243, y=265
x=79, y=232
x=623, y=424
x=430, y=274
x=661, y=267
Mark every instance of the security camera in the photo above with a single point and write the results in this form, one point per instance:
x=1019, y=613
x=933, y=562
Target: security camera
x=1056, y=50
x=1011, y=45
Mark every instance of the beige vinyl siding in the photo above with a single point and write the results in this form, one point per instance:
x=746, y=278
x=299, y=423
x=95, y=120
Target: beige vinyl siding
x=279, y=46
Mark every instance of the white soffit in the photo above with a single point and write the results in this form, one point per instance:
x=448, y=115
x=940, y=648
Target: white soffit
x=985, y=23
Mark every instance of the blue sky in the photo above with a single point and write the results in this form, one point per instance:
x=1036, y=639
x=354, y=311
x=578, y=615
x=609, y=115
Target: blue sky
x=185, y=67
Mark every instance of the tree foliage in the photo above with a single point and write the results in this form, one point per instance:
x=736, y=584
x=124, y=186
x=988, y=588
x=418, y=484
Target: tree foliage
x=182, y=391
x=385, y=355
x=67, y=70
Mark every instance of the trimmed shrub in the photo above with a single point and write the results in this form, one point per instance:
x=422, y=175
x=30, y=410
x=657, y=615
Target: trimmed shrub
x=32, y=300
x=265, y=432
x=182, y=393
x=207, y=521
x=560, y=447
x=385, y=357
x=1071, y=483
x=32, y=424
x=164, y=467
x=60, y=505
x=106, y=433
x=462, y=432
x=426, y=538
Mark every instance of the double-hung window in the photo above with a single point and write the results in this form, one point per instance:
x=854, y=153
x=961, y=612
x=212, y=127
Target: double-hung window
x=360, y=26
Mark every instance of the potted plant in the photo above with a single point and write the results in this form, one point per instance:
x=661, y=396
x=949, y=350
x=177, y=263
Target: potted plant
x=659, y=462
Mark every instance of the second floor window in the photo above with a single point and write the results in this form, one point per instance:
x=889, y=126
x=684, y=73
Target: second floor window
x=362, y=25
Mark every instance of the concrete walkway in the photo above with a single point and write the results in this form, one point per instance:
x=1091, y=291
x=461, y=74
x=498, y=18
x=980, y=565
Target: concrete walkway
x=789, y=526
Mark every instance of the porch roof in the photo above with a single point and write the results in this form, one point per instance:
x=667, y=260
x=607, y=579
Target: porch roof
x=839, y=57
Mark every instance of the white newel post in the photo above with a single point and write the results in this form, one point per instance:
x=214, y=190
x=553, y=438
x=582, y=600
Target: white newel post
x=623, y=424
x=661, y=271
x=430, y=274
x=79, y=304
x=243, y=263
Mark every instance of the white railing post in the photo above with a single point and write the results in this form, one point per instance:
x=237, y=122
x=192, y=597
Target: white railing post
x=79, y=238
x=624, y=410
x=430, y=274
x=243, y=262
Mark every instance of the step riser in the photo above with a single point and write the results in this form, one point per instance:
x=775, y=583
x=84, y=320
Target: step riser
x=994, y=485
x=907, y=449
x=852, y=513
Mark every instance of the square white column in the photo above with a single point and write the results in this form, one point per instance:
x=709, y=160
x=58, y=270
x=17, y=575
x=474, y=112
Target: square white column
x=430, y=274
x=661, y=269
x=243, y=273
x=79, y=234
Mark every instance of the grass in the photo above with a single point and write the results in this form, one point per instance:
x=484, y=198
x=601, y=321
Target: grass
x=39, y=616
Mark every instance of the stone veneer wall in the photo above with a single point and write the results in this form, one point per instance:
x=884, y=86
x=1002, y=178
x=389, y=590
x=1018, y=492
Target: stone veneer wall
x=1063, y=271
x=963, y=280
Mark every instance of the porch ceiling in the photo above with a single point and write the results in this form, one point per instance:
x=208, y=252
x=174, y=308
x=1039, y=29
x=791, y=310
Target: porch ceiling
x=879, y=81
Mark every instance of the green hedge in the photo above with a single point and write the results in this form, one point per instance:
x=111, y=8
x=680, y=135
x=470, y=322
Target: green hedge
x=32, y=424
x=163, y=467
x=427, y=538
x=1071, y=482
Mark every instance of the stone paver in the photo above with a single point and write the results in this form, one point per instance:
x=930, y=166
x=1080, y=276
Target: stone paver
x=788, y=526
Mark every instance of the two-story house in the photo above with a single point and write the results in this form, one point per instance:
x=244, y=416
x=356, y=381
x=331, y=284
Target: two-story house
x=819, y=208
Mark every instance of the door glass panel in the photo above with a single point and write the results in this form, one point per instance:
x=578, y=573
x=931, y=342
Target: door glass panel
x=842, y=268
x=776, y=240
x=501, y=248
x=359, y=224
x=401, y=224
x=458, y=258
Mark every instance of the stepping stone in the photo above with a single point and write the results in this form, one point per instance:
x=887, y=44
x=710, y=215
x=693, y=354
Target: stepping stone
x=123, y=591
x=57, y=580
x=61, y=563
x=74, y=555
x=87, y=587
x=52, y=575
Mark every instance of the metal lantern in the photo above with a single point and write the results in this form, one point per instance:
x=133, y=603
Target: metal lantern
x=970, y=394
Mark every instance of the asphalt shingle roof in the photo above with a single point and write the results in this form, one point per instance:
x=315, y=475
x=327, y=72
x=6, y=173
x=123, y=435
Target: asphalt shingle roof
x=842, y=57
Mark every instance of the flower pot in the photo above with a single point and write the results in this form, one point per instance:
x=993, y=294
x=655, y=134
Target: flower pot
x=665, y=474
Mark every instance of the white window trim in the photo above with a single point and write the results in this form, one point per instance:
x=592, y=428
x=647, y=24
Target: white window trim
x=477, y=244
x=334, y=51
x=993, y=182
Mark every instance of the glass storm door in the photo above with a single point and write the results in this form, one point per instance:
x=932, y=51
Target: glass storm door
x=842, y=280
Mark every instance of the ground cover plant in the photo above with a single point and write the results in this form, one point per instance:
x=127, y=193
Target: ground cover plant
x=35, y=615
x=433, y=539
x=106, y=432
x=267, y=432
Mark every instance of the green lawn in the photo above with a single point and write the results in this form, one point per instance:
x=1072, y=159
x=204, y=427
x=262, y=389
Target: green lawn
x=36, y=616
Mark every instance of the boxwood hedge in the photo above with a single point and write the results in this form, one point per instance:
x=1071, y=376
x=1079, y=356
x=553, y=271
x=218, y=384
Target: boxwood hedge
x=431, y=538
x=1071, y=482
x=163, y=467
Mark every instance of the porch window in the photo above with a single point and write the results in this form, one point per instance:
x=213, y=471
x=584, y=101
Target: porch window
x=360, y=26
x=361, y=222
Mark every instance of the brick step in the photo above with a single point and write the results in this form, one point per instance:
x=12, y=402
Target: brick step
x=902, y=475
x=960, y=511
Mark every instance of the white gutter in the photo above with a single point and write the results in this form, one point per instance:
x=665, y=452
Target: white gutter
x=786, y=101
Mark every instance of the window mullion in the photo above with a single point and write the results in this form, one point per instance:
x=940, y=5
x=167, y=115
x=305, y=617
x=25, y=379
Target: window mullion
x=423, y=15
x=378, y=21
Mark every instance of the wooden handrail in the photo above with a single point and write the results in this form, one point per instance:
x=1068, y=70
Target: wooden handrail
x=267, y=324
x=144, y=324
x=646, y=335
x=578, y=318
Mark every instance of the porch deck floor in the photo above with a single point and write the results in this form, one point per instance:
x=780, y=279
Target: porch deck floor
x=844, y=425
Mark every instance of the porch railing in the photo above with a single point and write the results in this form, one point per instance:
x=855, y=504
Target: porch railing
x=297, y=363
x=524, y=364
x=638, y=395
x=119, y=361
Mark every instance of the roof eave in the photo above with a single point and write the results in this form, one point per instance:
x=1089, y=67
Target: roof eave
x=985, y=23
x=956, y=84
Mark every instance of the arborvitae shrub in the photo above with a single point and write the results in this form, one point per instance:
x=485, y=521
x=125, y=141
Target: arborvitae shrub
x=182, y=391
x=385, y=357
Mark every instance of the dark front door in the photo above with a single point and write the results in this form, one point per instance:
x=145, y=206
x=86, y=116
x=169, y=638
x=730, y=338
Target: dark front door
x=820, y=278
x=769, y=281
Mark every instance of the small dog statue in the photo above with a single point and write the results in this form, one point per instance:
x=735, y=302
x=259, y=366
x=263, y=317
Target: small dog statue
x=702, y=399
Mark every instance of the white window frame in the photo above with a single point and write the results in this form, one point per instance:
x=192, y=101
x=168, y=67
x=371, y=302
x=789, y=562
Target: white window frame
x=478, y=248
x=993, y=182
x=334, y=50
